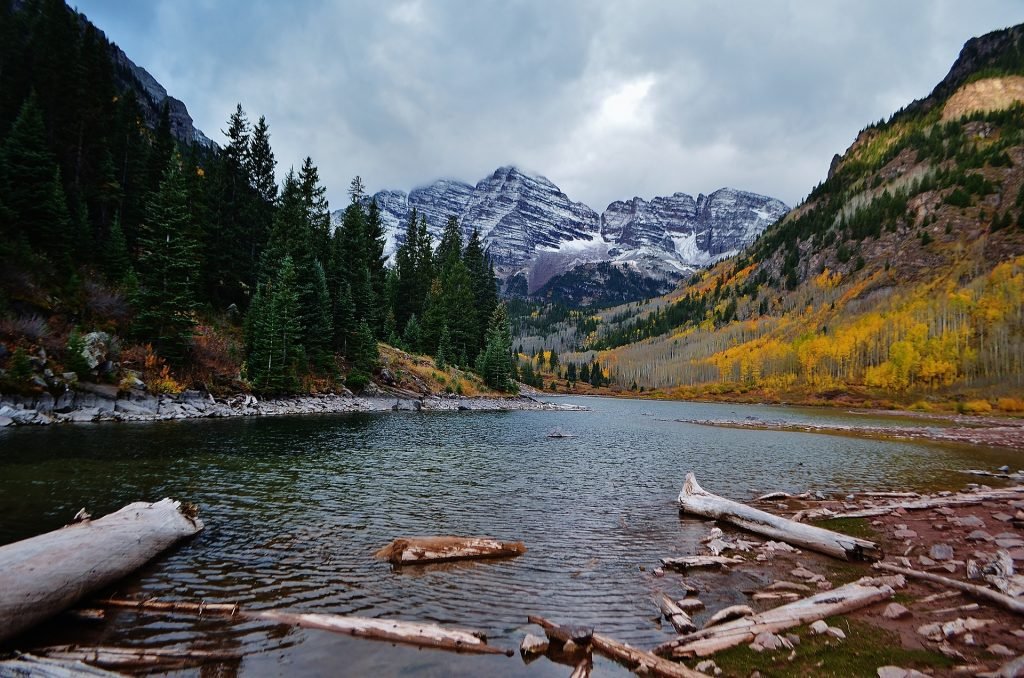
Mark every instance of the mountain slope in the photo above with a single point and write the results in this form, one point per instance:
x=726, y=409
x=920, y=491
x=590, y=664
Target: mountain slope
x=901, y=276
x=536, y=233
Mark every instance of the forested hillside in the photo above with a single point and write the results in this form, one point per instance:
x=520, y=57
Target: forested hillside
x=900, y=277
x=131, y=258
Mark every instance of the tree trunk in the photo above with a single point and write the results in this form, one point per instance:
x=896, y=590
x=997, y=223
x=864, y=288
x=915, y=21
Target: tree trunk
x=1006, y=602
x=694, y=499
x=826, y=604
x=45, y=667
x=43, y=575
x=418, y=550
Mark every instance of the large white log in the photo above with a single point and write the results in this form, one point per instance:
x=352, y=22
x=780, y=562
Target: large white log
x=826, y=604
x=43, y=575
x=1014, y=605
x=694, y=499
x=412, y=633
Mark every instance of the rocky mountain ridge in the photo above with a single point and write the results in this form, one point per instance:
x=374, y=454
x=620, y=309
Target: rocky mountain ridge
x=535, y=232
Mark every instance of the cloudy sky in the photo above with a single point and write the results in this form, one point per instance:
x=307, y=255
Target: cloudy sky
x=607, y=99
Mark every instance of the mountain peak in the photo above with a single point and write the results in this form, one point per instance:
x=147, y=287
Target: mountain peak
x=533, y=229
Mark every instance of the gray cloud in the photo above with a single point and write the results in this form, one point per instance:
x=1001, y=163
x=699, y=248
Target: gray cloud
x=608, y=100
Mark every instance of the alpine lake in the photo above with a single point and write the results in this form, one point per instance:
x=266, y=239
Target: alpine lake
x=295, y=507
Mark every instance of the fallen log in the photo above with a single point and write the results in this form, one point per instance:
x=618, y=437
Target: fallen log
x=45, y=667
x=741, y=631
x=688, y=562
x=959, y=499
x=676, y=615
x=414, y=550
x=43, y=575
x=156, y=605
x=411, y=633
x=694, y=499
x=639, y=661
x=1014, y=605
x=135, y=659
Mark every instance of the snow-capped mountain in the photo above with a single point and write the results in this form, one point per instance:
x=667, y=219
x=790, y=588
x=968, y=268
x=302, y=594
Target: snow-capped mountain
x=532, y=229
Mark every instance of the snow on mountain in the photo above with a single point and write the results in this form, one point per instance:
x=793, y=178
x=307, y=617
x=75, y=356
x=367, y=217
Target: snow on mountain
x=532, y=228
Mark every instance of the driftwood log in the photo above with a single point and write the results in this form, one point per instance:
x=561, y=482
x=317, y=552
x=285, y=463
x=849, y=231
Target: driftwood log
x=694, y=499
x=739, y=631
x=676, y=615
x=410, y=633
x=138, y=658
x=640, y=661
x=43, y=575
x=414, y=550
x=1015, y=605
x=46, y=667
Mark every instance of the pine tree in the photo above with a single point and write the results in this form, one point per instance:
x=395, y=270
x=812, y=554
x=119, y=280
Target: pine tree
x=318, y=214
x=406, y=279
x=274, y=327
x=485, y=288
x=498, y=368
x=167, y=269
x=261, y=163
x=553, y=361
x=365, y=355
x=28, y=181
x=412, y=338
x=445, y=352
x=376, y=262
x=584, y=373
x=116, y=260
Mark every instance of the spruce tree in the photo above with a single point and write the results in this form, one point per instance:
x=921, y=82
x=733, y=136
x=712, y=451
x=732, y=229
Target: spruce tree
x=498, y=368
x=406, y=279
x=167, y=269
x=318, y=214
x=274, y=326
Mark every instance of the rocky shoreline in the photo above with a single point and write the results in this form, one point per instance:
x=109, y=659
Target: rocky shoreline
x=99, y=402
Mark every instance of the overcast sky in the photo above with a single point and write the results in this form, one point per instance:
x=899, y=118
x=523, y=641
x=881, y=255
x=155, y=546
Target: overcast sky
x=607, y=99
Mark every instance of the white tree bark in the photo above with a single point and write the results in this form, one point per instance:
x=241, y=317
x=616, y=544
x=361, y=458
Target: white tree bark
x=694, y=499
x=959, y=499
x=412, y=633
x=739, y=631
x=1015, y=605
x=43, y=575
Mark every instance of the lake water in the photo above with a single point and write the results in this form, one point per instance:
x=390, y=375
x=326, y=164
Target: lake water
x=295, y=507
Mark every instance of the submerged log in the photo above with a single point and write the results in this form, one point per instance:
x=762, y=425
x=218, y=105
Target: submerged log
x=141, y=658
x=43, y=575
x=45, y=667
x=688, y=562
x=411, y=633
x=156, y=605
x=412, y=550
x=741, y=631
x=694, y=499
x=640, y=661
x=1014, y=605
